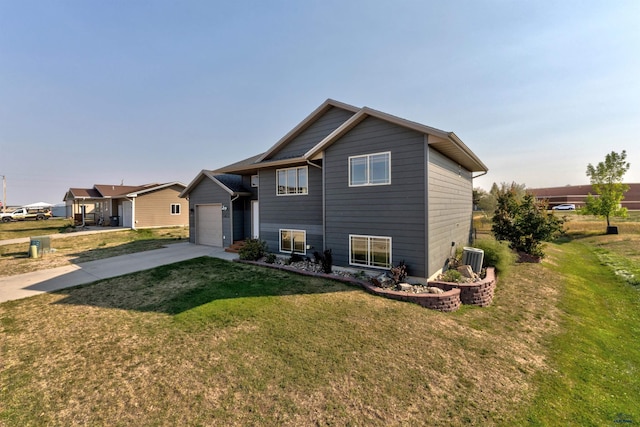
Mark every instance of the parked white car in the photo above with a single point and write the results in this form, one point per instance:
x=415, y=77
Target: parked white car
x=565, y=207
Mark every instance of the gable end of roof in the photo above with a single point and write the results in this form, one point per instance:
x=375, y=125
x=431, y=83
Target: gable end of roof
x=305, y=123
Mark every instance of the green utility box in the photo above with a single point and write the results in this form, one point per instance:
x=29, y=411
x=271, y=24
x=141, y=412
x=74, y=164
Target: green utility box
x=43, y=243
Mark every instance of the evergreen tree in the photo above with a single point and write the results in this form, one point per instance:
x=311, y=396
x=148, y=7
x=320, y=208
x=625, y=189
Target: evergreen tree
x=524, y=222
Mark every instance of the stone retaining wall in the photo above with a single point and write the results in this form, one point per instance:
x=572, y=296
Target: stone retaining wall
x=476, y=293
x=448, y=301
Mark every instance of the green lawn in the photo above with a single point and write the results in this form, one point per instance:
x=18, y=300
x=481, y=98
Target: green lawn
x=596, y=358
x=209, y=342
x=72, y=248
x=17, y=229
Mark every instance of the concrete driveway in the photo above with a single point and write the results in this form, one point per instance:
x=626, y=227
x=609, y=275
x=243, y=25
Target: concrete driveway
x=29, y=284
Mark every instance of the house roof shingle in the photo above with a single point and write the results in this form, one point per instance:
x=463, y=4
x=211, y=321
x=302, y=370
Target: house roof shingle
x=107, y=191
x=88, y=193
x=232, y=184
x=447, y=143
x=119, y=190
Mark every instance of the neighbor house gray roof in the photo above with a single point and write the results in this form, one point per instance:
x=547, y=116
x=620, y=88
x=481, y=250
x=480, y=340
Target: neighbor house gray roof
x=232, y=184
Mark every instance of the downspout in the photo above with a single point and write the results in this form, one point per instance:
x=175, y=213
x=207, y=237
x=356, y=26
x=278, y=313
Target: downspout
x=426, y=206
x=82, y=210
x=478, y=176
x=324, y=227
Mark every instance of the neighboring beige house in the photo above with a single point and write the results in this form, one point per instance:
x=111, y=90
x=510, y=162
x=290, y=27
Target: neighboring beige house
x=130, y=206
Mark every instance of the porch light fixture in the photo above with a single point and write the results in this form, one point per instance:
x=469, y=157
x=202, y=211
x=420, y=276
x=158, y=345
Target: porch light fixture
x=224, y=208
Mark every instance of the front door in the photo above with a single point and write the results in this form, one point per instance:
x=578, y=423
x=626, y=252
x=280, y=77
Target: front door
x=127, y=214
x=255, y=219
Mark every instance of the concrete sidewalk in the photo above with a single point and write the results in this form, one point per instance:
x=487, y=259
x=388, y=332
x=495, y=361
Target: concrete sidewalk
x=29, y=284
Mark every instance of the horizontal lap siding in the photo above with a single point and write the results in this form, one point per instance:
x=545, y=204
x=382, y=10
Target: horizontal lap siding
x=299, y=212
x=450, y=208
x=154, y=209
x=208, y=192
x=396, y=210
x=315, y=133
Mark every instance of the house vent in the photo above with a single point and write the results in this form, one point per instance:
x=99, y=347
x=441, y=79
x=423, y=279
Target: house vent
x=474, y=258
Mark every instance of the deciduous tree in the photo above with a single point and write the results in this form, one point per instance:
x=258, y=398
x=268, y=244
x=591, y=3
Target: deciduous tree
x=606, y=182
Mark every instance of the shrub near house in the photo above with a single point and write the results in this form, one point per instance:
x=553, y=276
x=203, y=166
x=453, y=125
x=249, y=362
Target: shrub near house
x=524, y=223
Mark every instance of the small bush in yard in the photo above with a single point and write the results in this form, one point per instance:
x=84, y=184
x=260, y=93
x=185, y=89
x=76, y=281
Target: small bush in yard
x=325, y=260
x=270, y=258
x=253, y=250
x=452, y=276
x=496, y=254
x=524, y=222
x=399, y=272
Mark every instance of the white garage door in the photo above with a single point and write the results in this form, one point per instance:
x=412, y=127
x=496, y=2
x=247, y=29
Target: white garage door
x=209, y=225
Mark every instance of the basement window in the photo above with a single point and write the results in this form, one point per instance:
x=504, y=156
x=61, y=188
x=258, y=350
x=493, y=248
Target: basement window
x=293, y=241
x=370, y=251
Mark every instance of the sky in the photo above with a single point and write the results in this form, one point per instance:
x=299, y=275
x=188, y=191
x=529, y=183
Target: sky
x=141, y=91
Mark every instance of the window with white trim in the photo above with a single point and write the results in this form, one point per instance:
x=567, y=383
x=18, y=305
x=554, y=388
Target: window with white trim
x=292, y=181
x=370, y=251
x=175, y=209
x=370, y=169
x=293, y=241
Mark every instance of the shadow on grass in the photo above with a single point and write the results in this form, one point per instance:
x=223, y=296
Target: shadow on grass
x=179, y=287
x=26, y=228
x=121, y=249
x=92, y=254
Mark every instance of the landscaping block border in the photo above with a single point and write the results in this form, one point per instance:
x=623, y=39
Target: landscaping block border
x=455, y=294
x=476, y=293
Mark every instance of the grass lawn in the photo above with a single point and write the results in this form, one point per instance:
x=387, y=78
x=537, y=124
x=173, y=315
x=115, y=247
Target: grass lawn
x=16, y=229
x=209, y=342
x=596, y=357
x=70, y=248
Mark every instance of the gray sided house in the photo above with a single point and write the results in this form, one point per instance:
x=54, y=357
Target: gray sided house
x=374, y=188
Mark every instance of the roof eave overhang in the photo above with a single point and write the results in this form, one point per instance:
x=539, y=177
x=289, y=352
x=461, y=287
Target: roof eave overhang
x=210, y=174
x=194, y=182
x=155, y=188
x=254, y=168
x=455, y=148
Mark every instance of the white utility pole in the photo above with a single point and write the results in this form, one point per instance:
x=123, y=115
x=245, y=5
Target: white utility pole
x=4, y=194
